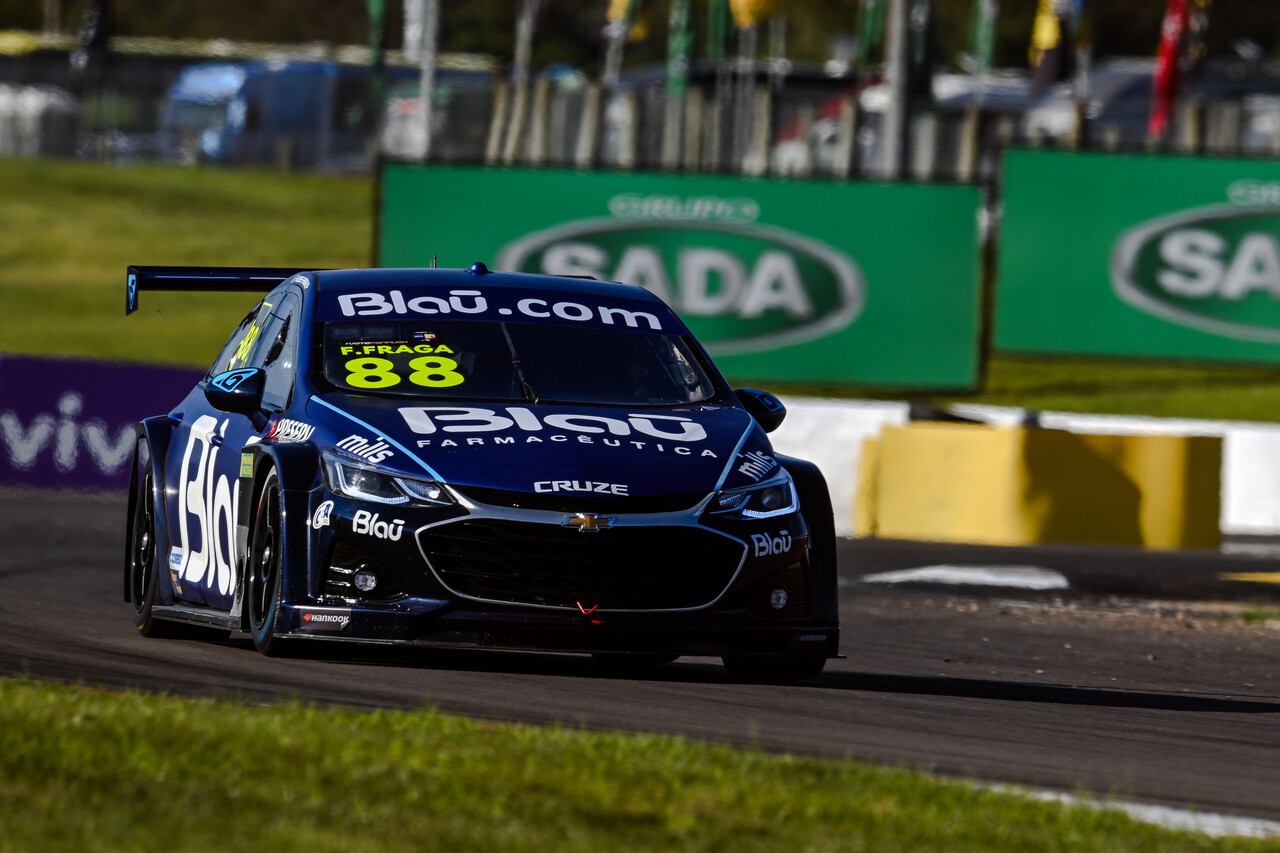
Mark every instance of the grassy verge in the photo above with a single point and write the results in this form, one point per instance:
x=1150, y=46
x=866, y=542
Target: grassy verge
x=68, y=230
x=82, y=770
x=1162, y=390
x=1261, y=614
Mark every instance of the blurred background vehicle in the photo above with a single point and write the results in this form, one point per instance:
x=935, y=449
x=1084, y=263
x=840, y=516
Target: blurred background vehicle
x=1233, y=103
x=804, y=89
x=296, y=114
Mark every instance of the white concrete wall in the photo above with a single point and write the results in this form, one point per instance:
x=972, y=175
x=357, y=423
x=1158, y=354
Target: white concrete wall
x=830, y=433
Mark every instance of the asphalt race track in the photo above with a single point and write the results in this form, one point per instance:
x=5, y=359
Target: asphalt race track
x=1169, y=704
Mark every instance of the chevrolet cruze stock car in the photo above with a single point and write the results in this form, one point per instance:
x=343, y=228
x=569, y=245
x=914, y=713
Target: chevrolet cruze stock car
x=467, y=458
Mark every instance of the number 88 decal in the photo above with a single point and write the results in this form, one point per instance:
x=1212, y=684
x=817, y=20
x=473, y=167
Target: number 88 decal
x=430, y=371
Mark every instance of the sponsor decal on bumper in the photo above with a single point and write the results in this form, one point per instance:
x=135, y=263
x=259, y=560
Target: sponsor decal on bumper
x=331, y=619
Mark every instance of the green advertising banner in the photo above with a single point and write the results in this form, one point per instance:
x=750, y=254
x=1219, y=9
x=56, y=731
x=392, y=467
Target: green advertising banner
x=854, y=284
x=1131, y=255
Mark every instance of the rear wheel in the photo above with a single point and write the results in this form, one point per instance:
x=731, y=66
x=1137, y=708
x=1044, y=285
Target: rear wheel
x=144, y=563
x=773, y=670
x=265, y=570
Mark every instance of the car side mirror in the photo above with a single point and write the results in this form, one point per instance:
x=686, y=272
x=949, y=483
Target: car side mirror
x=237, y=391
x=763, y=406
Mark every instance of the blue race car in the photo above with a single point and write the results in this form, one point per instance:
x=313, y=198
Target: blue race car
x=476, y=459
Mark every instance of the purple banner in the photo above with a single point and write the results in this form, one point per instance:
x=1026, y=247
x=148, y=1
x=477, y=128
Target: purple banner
x=69, y=424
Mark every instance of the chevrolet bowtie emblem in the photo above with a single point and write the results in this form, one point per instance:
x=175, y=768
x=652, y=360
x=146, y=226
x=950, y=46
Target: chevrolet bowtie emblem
x=588, y=522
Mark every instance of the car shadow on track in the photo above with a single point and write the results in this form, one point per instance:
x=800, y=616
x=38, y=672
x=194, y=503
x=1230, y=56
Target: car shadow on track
x=708, y=671
x=1053, y=694
x=494, y=661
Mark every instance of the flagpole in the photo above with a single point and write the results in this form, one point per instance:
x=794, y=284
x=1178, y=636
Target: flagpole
x=892, y=134
x=427, y=78
x=717, y=29
x=677, y=82
x=520, y=78
x=1165, y=76
x=621, y=16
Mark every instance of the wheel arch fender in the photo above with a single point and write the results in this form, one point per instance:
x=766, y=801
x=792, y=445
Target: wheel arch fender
x=815, y=506
x=155, y=434
x=297, y=468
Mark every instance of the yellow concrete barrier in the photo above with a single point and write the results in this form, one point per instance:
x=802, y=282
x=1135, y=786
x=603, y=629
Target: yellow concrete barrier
x=1019, y=486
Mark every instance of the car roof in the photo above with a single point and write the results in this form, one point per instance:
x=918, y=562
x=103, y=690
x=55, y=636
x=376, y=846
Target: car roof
x=329, y=281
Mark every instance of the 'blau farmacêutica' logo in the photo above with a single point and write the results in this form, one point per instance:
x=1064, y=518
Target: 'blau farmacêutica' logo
x=739, y=286
x=1216, y=269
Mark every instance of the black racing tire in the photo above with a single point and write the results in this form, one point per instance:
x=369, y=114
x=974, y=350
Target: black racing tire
x=620, y=663
x=815, y=506
x=266, y=552
x=773, y=670
x=144, y=558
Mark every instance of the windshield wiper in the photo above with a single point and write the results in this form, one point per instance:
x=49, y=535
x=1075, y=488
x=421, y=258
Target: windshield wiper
x=530, y=395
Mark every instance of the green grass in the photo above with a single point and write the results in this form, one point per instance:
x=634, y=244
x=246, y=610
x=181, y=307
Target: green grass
x=1097, y=386
x=1260, y=614
x=68, y=230
x=1220, y=392
x=83, y=770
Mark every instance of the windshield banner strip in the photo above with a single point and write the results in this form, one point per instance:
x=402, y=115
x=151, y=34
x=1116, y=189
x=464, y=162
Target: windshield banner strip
x=492, y=304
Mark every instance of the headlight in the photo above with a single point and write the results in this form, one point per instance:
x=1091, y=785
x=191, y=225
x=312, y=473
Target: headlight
x=765, y=500
x=367, y=483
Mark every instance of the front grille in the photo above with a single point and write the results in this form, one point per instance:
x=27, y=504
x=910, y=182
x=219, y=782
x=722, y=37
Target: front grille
x=621, y=568
x=600, y=503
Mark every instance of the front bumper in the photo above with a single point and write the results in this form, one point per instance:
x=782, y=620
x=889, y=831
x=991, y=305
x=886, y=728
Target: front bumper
x=483, y=576
x=447, y=624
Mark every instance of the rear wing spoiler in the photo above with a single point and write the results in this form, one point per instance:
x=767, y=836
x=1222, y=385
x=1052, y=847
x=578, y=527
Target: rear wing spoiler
x=225, y=279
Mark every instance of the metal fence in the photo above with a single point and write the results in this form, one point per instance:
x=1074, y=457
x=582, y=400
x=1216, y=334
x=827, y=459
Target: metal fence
x=759, y=120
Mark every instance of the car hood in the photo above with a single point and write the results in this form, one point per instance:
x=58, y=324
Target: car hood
x=545, y=447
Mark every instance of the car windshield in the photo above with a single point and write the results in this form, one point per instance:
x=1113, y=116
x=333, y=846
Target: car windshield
x=196, y=115
x=455, y=359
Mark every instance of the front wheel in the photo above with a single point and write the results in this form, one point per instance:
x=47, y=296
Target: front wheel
x=815, y=504
x=265, y=571
x=773, y=670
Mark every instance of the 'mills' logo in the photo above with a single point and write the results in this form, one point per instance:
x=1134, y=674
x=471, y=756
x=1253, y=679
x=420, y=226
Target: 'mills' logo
x=588, y=522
